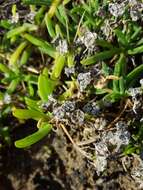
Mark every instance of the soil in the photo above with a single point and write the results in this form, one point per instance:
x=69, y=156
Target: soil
x=53, y=164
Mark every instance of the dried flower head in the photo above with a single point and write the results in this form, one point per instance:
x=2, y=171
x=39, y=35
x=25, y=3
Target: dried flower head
x=84, y=80
x=62, y=47
x=100, y=123
x=107, y=29
x=59, y=113
x=92, y=108
x=69, y=71
x=101, y=149
x=77, y=117
x=7, y=99
x=119, y=138
x=68, y=106
x=15, y=18
x=100, y=164
x=136, y=8
x=30, y=17
x=116, y=9
x=141, y=82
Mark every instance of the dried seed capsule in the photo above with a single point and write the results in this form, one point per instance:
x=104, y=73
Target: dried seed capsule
x=101, y=149
x=68, y=106
x=15, y=18
x=30, y=16
x=141, y=82
x=116, y=9
x=77, y=117
x=7, y=99
x=59, y=113
x=92, y=108
x=100, y=164
x=69, y=71
x=88, y=39
x=84, y=80
x=119, y=138
x=62, y=47
x=134, y=92
x=100, y=123
x=52, y=102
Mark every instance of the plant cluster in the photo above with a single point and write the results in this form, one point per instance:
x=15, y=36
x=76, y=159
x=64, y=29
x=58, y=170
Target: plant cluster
x=68, y=62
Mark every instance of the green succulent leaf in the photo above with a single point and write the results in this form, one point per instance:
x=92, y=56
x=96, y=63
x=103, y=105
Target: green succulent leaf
x=134, y=74
x=136, y=50
x=58, y=66
x=28, y=114
x=41, y=44
x=118, y=70
x=121, y=37
x=5, y=69
x=21, y=29
x=35, y=137
x=46, y=86
x=100, y=56
x=32, y=104
x=12, y=86
x=37, y=2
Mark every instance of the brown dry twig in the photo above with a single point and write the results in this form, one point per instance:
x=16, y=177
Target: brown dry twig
x=74, y=144
x=109, y=127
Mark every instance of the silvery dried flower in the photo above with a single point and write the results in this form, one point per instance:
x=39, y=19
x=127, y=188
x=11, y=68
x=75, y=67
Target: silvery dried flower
x=77, y=117
x=116, y=9
x=101, y=149
x=59, y=113
x=51, y=102
x=7, y=99
x=134, y=92
x=106, y=29
x=136, y=9
x=121, y=125
x=88, y=39
x=141, y=120
x=69, y=106
x=100, y=164
x=141, y=82
x=69, y=71
x=84, y=80
x=132, y=2
x=100, y=123
x=119, y=138
x=134, y=14
x=15, y=18
x=92, y=108
x=62, y=47
x=30, y=16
